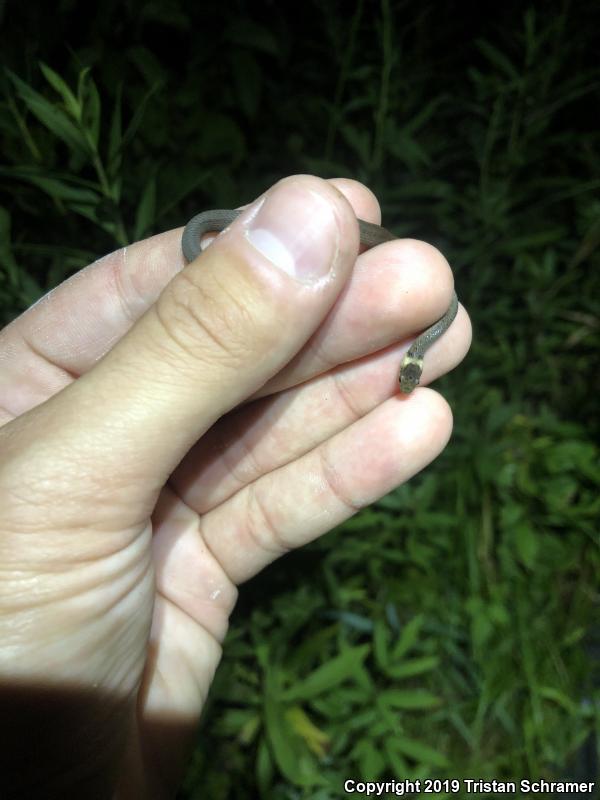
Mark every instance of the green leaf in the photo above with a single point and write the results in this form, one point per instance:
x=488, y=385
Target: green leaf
x=396, y=760
x=527, y=543
x=91, y=108
x=315, y=739
x=185, y=186
x=149, y=65
x=408, y=637
x=70, y=101
x=115, y=137
x=413, y=666
x=137, y=118
x=406, y=148
x=356, y=622
x=359, y=140
x=419, y=752
x=409, y=699
x=146, y=210
x=423, y=115
x=245, y=32
x=560, y=698
x=30, y=291
x=284, y=745
x=58, y=186
x=288, y=749
x=371, y=763
x=498, y=59
x=333, y=673
x=7, y=259
x=534, y=241
x=264, y=767
x=53, y=118
x=381, y=638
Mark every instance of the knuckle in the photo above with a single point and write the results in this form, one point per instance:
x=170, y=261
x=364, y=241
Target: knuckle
x=208, y=319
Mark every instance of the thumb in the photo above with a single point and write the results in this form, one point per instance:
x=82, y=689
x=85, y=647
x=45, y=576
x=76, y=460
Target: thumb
x=221, y=328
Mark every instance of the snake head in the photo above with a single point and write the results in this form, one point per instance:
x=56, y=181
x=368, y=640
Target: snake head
x=410, y=373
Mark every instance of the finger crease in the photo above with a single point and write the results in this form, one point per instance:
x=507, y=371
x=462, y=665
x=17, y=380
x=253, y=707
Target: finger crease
x=48, y=361
x=332, y=479
x=242, y=472
x=263, y=532
x=345, y=395
x=117, y=267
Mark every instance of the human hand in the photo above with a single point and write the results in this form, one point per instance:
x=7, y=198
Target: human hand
x=138, y=486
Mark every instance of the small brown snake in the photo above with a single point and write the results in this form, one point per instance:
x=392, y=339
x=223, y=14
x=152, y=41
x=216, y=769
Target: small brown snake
x=370, y=235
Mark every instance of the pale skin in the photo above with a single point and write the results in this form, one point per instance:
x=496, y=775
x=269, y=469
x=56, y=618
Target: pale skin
x=138, y=487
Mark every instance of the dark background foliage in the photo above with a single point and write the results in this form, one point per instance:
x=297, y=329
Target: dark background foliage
x=449, y=630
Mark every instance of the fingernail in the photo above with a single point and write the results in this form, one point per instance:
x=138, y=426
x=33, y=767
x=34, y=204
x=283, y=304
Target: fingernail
x=296, y=229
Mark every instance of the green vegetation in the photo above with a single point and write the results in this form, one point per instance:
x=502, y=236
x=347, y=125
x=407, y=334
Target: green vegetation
x=450, y=629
